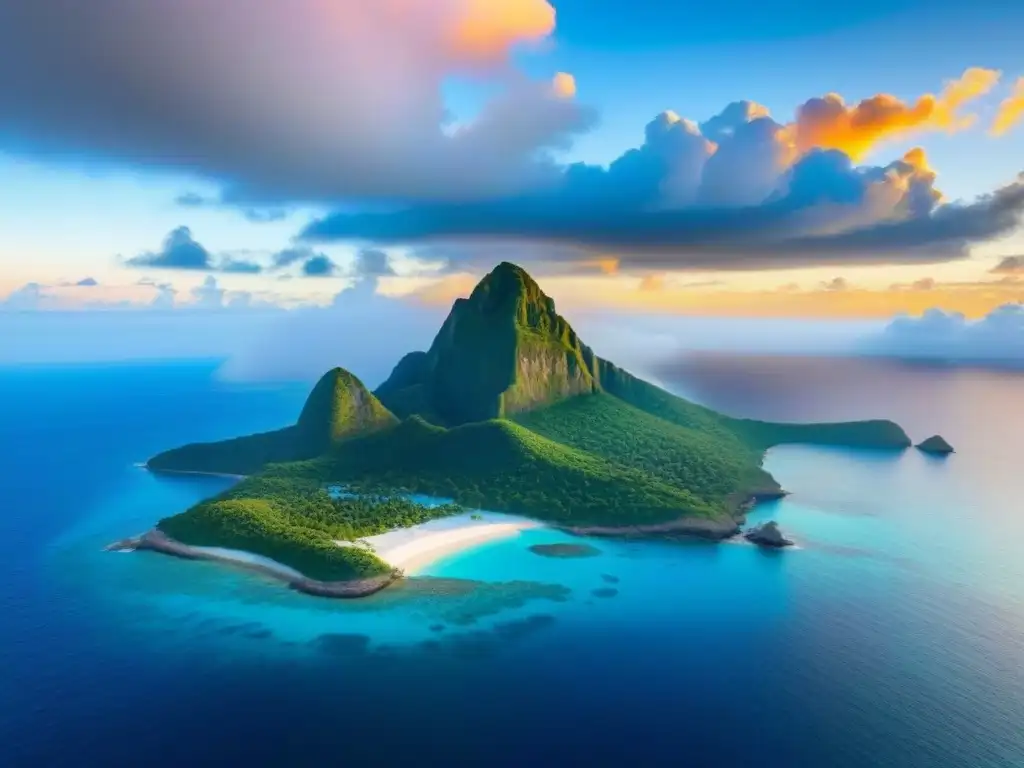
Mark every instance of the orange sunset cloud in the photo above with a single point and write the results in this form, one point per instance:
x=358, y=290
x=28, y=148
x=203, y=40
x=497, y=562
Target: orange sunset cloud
x=829, y=123
x=484, y=29
x=1011, y=110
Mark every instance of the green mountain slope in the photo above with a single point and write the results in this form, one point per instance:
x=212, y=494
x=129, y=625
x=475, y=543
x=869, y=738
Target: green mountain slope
x=502, y=466
x=714, y=467
x=508, y=410
x=502, y=351
x=339, y=407
x=758, y=435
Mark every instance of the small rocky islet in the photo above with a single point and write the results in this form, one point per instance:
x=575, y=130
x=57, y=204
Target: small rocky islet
x=767, y=535
x=936, y=445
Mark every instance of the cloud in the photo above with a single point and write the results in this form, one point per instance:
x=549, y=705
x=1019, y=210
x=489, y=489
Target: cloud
x=738, y=191
x=372, y=263
x=166, y=296
x=254, y=214
x=996, y=339
x=1011, y=110
x=87, y=282
x=836, y=284
x=390, y=328
x=29, y=297
x=209, y=295
x=289, y=100
x=240, y=266
x=319, y=266
x=193, y=200
x=180, y=250
x=823, y=210
x=829, y=123
x=652, y=282
x=290, y=256
x=264, y=215
x=1009, y=265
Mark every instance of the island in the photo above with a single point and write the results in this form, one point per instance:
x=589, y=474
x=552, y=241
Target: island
x=935, y=445
x=507, y=411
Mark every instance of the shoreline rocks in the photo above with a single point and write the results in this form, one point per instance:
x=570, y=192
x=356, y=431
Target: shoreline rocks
x=710, y=529
x=157, y=541
x=699, y=527
x=767, y=535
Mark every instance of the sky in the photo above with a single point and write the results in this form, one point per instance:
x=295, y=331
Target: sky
x=737, y=159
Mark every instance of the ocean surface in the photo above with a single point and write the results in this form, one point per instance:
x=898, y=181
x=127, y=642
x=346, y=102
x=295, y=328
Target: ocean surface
x=894, y=636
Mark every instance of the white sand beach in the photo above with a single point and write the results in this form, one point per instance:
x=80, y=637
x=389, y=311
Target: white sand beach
x=412, y=549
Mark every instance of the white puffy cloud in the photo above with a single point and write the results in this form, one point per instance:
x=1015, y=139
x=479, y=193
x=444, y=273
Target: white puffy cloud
x=996, y=339
x=29, y=297
x=208, y=295
x=361, y=330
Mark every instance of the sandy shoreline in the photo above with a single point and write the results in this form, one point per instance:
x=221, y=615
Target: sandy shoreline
x=157, y=541
x=407, y=551
x=413, y=549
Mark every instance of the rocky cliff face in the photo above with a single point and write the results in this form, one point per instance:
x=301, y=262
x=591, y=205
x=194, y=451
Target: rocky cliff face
x=502, y=351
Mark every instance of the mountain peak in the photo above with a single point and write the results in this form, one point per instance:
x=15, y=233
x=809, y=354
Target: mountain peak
x=508, y=285
x=503, y=350
x=339, y=406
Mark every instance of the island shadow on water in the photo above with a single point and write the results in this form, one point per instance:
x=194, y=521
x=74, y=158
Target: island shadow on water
x=565, y=551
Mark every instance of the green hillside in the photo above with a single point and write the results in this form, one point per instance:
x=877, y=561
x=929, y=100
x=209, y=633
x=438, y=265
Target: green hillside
x=502, y=466
x=296, y=523
x=338, y=407
x=711, y=465
x=508, y=410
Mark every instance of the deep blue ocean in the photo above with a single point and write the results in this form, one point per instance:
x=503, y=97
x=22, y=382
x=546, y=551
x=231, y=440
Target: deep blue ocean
x=894, y=635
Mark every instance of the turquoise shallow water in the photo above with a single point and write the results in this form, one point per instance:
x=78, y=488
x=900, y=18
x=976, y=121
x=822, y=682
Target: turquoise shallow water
x=893, y=636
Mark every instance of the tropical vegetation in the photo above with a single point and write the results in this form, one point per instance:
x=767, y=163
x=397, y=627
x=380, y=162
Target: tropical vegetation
x=508, y=410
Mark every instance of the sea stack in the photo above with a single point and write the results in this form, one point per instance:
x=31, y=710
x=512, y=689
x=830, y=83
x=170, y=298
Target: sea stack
x=935, y=445
x=767, y=535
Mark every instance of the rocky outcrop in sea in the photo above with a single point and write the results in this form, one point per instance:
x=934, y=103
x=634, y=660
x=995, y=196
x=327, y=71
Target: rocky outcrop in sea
x=767, y=535
x=936, y=445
